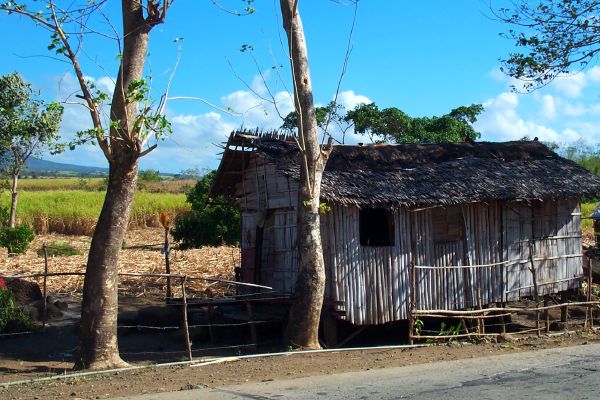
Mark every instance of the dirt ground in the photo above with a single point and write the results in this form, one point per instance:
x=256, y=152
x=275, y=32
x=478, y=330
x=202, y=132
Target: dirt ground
x=184, y=377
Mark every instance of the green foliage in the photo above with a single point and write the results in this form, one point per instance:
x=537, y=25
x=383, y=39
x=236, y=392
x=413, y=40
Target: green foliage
x=325, y=116
x=150, y=175
x=16, y=240
x=28, y=126
x=211, y=222
x=10, y=313
x=557, y=37
x=393, y=125
x=59, y=248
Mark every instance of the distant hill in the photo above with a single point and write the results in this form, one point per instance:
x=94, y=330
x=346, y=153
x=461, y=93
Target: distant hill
x=39, y=167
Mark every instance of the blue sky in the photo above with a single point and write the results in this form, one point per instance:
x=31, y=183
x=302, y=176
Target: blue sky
x=422, y=57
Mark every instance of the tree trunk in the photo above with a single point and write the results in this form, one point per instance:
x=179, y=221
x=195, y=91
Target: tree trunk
x=98, y=333
x=303, y=324
x=13, y=201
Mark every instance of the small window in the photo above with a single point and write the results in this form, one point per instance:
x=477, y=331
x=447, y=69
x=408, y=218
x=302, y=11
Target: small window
x=447, y=224
x=376, y=227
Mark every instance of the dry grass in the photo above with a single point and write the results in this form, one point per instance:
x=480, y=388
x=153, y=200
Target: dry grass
x=141, y=255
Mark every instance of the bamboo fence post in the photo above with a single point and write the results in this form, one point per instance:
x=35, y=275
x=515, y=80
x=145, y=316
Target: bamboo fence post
x=536, y=295
x=412, y=305
x=480, y=325
x=589, y=294
x=564, y=310
x=546, y=313
x=186, y=329
x=253, y=333
x=45, y=287
x=168, y=264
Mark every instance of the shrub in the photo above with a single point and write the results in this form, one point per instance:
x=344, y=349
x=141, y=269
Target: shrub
x=150, y=175
x=10, y=314
x=17, y=239
x=212, y=221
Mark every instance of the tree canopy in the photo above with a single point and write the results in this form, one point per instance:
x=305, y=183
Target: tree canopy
x=393, y=125
x=28, y=126
x=557, y=37
x=212, y=222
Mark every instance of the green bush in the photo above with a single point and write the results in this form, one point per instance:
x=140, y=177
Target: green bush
x=17, y=239
x=10, y=313
x=212, y=221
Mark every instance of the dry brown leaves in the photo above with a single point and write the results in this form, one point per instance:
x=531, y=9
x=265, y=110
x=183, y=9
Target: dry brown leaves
x=141, y=254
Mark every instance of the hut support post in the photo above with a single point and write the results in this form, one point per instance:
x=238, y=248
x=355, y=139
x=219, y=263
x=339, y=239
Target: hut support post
x=502, y=320
x=45, y=288
x=186, y=328
x=536, y=295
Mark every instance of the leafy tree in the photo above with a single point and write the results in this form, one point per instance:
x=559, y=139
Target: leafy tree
x=557, y=37
x=28, y=126
x=393, y=125
x=212, y=222
x=123, y=139
x=150, y=175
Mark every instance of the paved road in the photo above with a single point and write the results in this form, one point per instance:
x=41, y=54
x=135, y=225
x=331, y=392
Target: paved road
x=565, y=373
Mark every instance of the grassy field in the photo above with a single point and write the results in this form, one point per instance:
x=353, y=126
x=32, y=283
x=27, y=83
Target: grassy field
x=72, y=205
x=99, y=184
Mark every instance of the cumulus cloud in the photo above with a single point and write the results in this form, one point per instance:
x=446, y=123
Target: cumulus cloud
x=349, y=100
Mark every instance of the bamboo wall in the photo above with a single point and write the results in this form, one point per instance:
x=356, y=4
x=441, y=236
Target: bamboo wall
x=465, y=256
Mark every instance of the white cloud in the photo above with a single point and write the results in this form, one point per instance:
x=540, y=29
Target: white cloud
x=570, y=85
x=349, y=100
x=501, y=121
x=548, y=109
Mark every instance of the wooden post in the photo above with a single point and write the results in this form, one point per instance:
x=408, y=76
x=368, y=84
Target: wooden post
x=186, y=329
x=536, y=295
x=564, y=310
x=547, y=313
x=589, y=293
x=211, y=329
x=253, y=334
x=412, y=304
x=480, y=321
x=502, y=320
x=167, y=250
x=45, y=289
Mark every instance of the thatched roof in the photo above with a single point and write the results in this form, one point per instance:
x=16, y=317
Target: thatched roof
x=428, y=174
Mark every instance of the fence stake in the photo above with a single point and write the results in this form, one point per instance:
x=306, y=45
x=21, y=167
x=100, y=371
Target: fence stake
x=168, y=264
x=186, y=329
x=412, y=304
x=589, y=294
x=547, y=313
x=44, y=286
x=536, y=295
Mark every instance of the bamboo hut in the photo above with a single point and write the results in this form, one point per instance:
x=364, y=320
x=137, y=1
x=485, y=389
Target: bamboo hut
x=467, y=221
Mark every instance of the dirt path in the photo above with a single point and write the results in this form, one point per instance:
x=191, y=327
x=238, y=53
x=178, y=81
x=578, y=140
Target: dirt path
x=162, y=379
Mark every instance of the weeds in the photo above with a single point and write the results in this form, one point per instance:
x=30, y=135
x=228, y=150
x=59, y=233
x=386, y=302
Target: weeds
x=59, y=248
x=10, y=314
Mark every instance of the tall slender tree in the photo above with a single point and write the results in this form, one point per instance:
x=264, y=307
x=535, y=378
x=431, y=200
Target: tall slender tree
x=28, y=126
x=303, y=324
x=123, y=140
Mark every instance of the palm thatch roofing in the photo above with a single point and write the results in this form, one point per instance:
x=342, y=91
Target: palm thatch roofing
x=419, y=175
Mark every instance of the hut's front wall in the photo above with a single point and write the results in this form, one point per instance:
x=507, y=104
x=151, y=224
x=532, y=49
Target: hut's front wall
x=370, y=284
